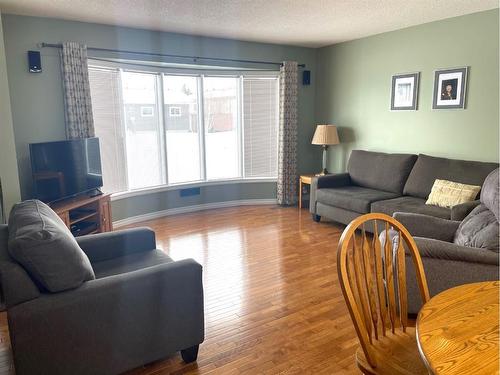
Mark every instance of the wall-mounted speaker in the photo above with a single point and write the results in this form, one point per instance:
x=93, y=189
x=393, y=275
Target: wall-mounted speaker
x=34, y=62
x=306, y=77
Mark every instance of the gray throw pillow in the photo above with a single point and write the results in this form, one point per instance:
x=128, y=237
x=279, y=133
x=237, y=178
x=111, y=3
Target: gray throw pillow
x=478, y=229
x=44, y=246
x=490, y=194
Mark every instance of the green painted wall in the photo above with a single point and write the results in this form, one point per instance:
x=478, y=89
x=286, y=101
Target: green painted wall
x=354, y=86
x=8, y=160
x=37, y=102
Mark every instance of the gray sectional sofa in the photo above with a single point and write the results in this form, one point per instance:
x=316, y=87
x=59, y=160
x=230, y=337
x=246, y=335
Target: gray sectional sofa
x=389, y=183
x=455, y=252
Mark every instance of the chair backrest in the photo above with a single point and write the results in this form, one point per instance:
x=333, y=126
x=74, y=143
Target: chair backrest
x=373, y=278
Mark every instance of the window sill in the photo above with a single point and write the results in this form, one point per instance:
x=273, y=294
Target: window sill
x=158, y=189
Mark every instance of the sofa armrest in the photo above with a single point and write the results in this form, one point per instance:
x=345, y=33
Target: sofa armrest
x=327, y=181
x=431, y=248
x=443, y=274
x=17, y=285
x=428, y=226
x=460, y=211
x=104, y=246
x=312, y=195
x=176, y=280
x=333, y=180
x=158, y=309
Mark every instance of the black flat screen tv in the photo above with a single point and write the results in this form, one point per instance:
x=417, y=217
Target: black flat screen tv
x=65, y=169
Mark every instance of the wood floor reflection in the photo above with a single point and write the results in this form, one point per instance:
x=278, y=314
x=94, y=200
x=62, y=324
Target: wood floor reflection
x=272, y=300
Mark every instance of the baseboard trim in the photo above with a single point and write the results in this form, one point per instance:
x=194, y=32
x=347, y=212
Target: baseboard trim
x=193, y=208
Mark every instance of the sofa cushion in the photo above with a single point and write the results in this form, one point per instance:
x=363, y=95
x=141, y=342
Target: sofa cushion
x=352, y=198
x=428, y=168
x=380, y=171
x=130, y=262
x=409, y=204
x=44, y=246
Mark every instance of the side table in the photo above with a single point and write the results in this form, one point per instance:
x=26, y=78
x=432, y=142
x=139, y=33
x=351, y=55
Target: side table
x=304, y=179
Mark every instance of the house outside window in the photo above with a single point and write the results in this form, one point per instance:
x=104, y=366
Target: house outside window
x=147, y=111
x=175, y=111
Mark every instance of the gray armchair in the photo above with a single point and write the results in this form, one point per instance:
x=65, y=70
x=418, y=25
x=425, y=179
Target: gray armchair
x=141, y=307
x=456, y=252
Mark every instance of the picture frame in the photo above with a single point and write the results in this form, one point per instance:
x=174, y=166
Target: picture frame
x=404, y=92
x=450, y=88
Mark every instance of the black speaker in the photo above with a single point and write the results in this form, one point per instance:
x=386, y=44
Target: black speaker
x=34, y=62
x=306, y=77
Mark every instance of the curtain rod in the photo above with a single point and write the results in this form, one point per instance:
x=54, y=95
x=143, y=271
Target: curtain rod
x=191, y=67
x=194, y=58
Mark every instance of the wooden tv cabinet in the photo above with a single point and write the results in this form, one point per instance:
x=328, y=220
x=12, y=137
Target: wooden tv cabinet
x=86, y=215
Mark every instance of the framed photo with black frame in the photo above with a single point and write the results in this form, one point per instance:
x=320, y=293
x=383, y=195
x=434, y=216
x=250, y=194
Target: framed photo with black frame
x=404, y=93
x=450, y=86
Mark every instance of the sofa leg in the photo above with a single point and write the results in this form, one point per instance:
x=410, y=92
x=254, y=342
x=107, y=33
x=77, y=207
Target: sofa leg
x=316, y=218
x=190, y=354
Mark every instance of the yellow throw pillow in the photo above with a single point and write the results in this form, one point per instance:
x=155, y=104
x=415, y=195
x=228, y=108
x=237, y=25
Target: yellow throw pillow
x=448, y=193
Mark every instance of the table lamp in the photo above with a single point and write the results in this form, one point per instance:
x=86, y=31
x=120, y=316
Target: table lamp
x=325, y=135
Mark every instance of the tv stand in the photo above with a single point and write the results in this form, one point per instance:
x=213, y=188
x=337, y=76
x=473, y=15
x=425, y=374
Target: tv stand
x=85, y=214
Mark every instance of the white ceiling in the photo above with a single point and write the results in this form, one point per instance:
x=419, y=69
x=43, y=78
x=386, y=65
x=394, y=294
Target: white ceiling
x=311, y=23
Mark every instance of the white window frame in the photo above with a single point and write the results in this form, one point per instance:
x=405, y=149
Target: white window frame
x=199, y=74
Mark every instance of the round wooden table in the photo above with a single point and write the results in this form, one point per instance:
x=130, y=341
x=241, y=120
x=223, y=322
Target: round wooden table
x=458, y=330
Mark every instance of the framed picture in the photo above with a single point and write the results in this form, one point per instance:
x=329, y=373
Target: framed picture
x=404, y=92
x=450, y=86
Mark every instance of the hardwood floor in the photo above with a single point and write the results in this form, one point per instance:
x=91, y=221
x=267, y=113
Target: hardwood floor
x=273, y=304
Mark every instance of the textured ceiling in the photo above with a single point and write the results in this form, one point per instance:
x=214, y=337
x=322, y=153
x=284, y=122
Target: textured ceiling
x=311, y=23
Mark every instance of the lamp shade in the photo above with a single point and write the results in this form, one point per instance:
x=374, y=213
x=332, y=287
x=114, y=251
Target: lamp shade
x=325, y=135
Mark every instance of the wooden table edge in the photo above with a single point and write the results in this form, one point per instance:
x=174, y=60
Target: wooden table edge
x=420, y=349
x=417, y=323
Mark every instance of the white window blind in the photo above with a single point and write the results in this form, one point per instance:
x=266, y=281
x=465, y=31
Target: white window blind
x=260, y=126
x=107, y=110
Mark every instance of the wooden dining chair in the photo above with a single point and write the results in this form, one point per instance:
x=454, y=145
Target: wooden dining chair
x=373, y=280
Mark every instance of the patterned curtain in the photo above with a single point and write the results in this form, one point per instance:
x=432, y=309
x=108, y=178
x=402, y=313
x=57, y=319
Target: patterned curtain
x=77, y=103
x=287, y=148
x=2, y=213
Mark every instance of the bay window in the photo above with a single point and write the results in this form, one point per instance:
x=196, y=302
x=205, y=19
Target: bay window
x=208, y=127
x=143, y=136
x=182, y=123
x=220, y=96
x=260, y=119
